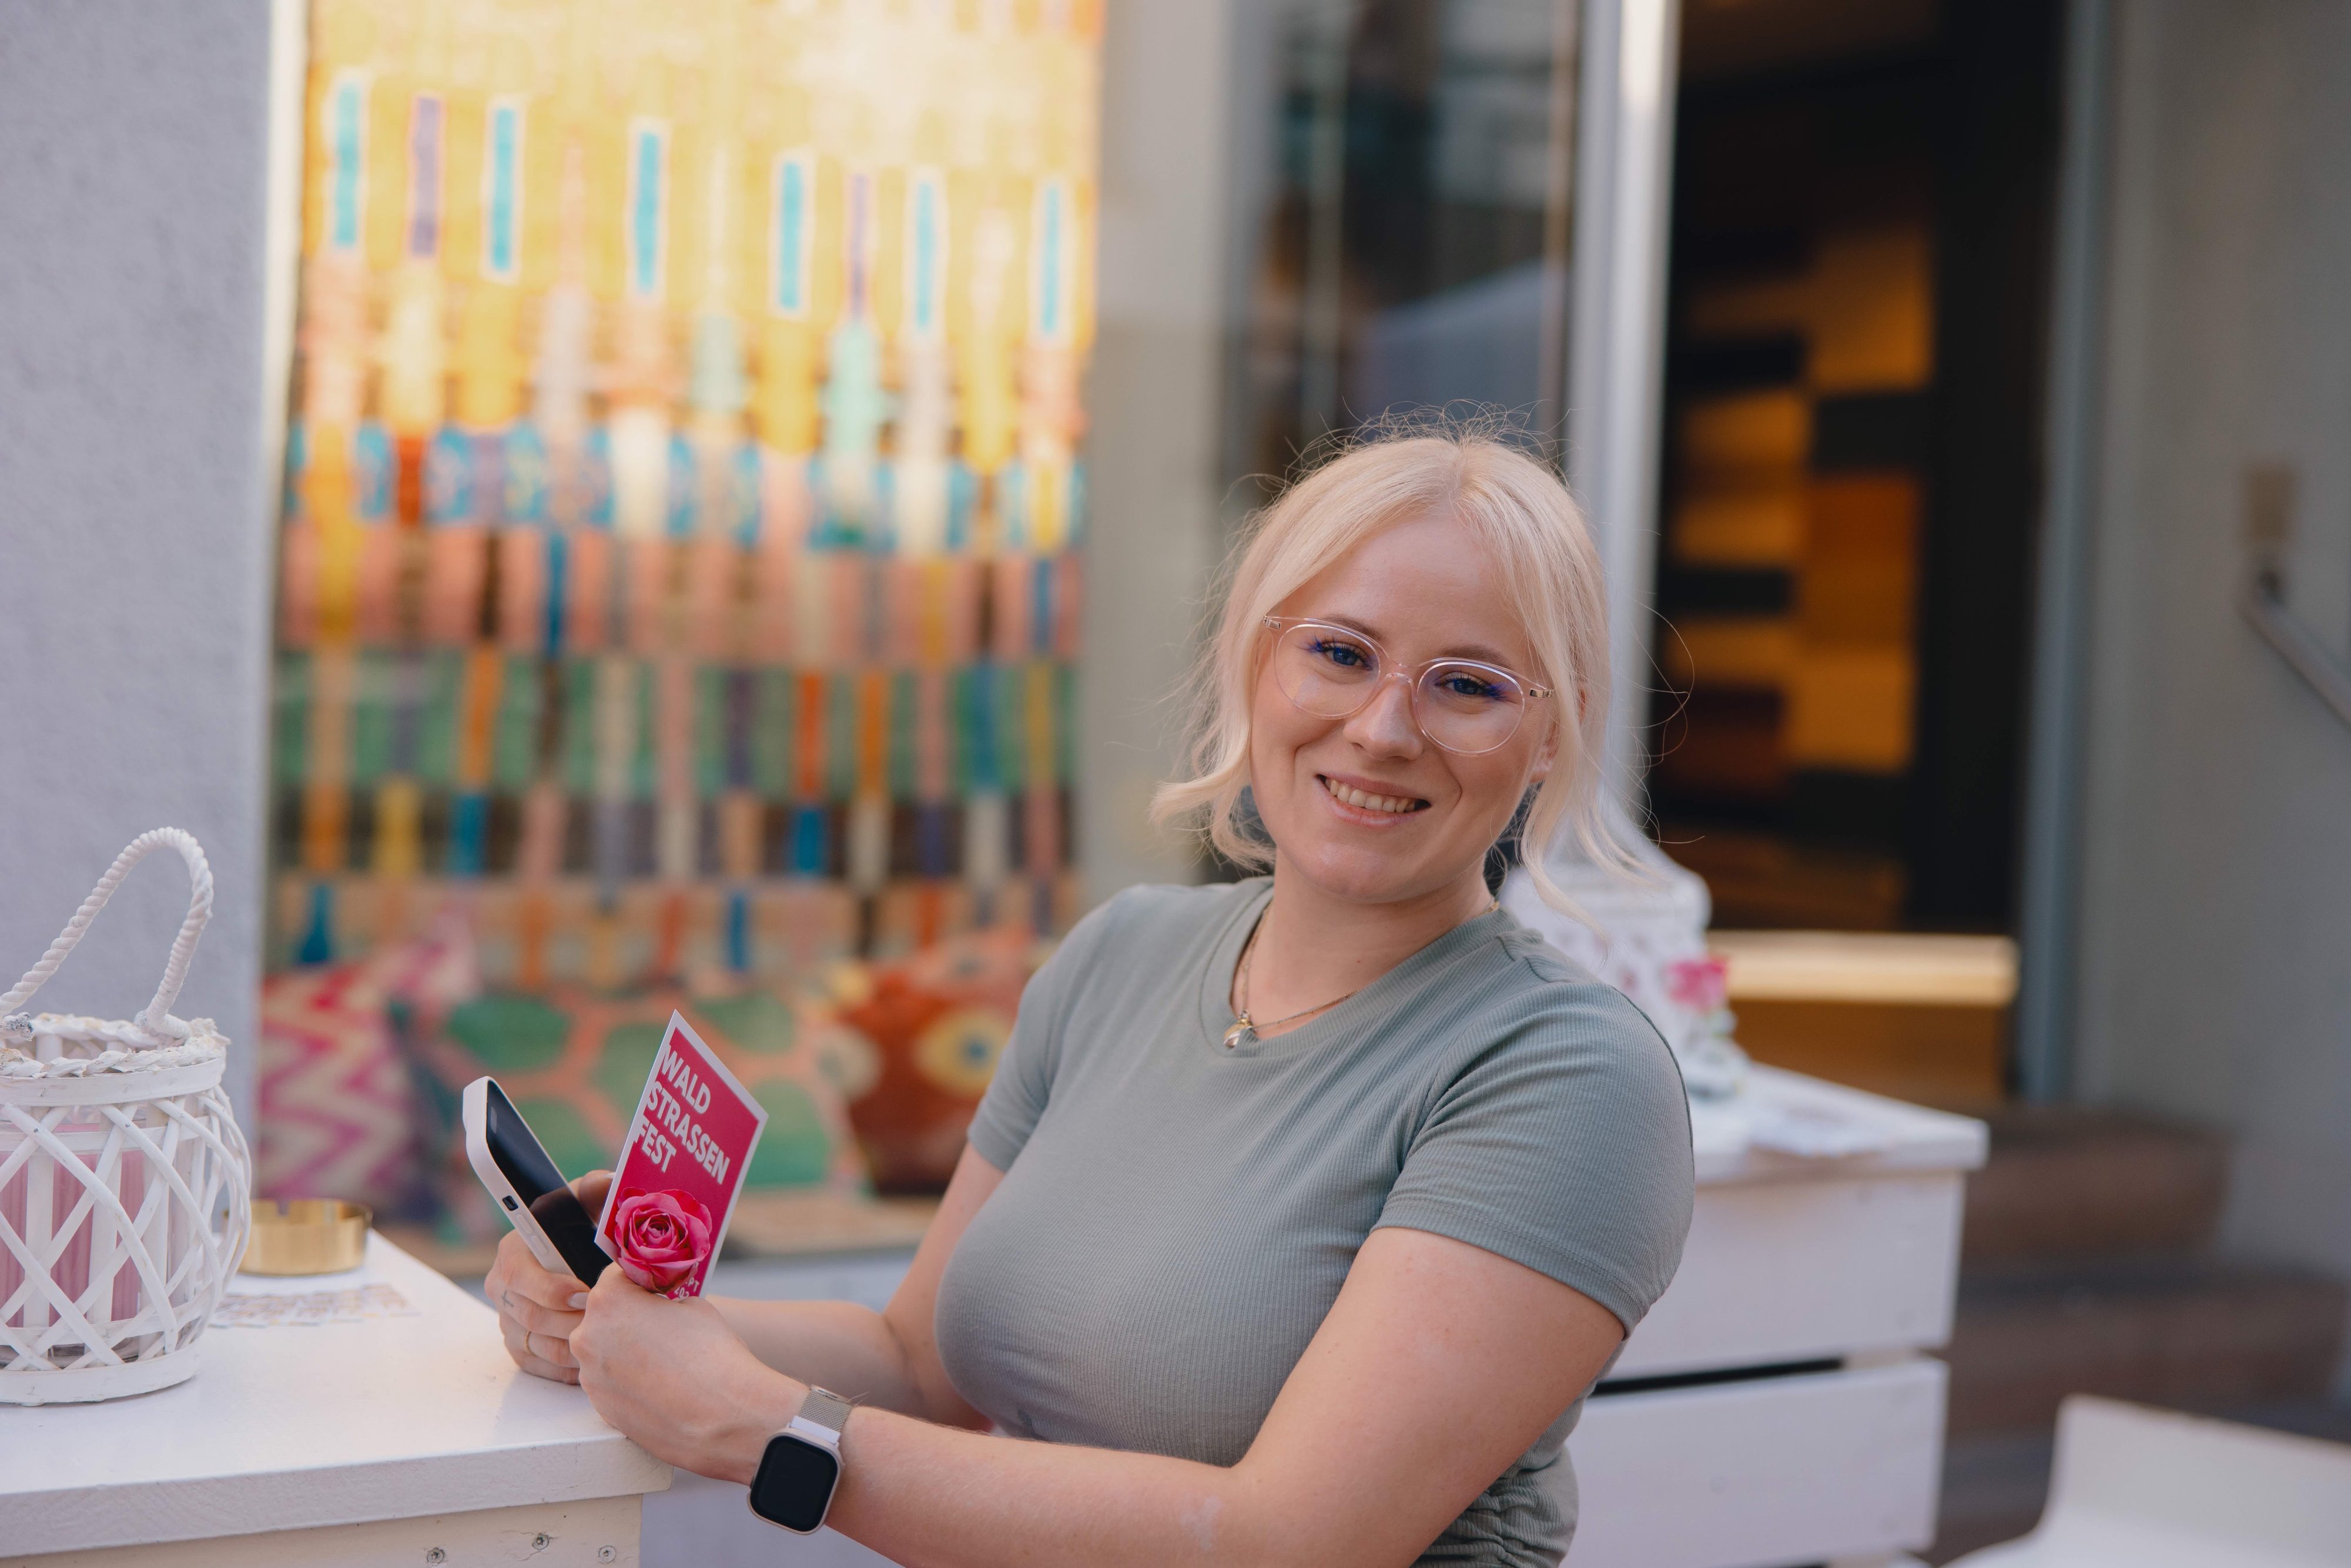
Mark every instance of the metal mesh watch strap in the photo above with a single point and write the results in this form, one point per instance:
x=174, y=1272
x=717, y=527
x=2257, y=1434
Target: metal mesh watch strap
x=800, y=1470
x=825, y=1408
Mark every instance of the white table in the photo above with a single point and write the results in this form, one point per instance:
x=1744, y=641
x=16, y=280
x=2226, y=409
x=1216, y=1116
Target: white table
x=1776, y=1408
x=380, y=1441
x=1777, y=1405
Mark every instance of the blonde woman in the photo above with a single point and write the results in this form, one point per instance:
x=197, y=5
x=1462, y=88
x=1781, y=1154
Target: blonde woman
x=1303, y=1211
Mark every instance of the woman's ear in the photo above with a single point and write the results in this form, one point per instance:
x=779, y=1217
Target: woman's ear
x=1547, y=754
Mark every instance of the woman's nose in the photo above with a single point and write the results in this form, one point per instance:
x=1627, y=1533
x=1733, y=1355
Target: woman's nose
x=1386, y=724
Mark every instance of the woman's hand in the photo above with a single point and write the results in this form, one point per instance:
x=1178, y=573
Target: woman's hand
x=674, y=1378
x=538, y=1310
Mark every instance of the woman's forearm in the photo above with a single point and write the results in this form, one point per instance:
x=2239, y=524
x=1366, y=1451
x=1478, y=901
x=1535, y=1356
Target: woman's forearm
x=937, y=1497
x=840, y=1345
x=907, y=1488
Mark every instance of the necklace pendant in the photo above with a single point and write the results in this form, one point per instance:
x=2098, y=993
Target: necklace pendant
x=1242, y=1029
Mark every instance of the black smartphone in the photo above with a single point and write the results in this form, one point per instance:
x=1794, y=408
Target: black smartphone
x=537, y=1201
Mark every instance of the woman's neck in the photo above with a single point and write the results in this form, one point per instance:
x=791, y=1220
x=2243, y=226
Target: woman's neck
x=1311, y=949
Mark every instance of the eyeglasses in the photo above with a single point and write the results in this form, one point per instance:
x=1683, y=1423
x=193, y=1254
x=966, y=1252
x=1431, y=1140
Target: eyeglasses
x=1461, y=705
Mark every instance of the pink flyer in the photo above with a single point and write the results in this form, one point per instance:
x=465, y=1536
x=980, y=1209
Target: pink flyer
x=681, y=1165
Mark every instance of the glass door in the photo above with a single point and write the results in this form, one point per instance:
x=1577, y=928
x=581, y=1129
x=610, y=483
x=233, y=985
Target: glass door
x=1401, y=217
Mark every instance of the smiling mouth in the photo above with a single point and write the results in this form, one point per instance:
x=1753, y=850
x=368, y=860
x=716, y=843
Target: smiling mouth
x=1391, y=805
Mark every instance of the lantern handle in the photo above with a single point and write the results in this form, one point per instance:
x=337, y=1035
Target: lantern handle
x=155, y=1019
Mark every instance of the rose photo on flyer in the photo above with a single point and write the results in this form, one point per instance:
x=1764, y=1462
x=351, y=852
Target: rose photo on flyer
x=663, y=1238
x=681, y=1167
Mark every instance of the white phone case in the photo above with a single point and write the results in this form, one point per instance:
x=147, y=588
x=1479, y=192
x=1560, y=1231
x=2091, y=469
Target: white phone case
x=476, y=1116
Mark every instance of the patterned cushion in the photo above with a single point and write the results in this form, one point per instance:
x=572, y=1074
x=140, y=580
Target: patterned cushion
x=937, y=1021
x=574, y=1061
x=338, y=1106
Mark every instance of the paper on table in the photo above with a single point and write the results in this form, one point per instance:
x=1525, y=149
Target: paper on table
x=350, y=1303
x=1813, y=1132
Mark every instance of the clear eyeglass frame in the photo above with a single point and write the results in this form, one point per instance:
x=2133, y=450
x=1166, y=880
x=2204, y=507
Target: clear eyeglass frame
x=1384, y=670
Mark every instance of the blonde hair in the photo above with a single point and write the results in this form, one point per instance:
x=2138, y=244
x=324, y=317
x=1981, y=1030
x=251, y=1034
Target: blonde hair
x=1550, y=582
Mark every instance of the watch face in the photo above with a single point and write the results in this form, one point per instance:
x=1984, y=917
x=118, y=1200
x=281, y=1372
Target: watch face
x=795, y=1484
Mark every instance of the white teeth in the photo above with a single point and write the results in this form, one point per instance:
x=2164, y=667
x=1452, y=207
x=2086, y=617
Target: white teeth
x=1368, y=802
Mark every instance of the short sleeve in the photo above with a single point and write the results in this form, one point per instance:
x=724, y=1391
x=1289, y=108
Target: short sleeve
x=1564, y=1146
x=1023, y=1084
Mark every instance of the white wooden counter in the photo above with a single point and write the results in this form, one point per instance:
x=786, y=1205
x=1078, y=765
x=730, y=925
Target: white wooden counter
x=1775, y=1408
x=1777, y=1405
x=376, y=1441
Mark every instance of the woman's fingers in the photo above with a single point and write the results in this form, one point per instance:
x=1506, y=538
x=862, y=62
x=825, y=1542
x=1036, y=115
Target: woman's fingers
x=524, y=1348
x=517, y=1308
x=537, y=1308
x=528, y=1294
x=535, y=1305
x=590, y=1189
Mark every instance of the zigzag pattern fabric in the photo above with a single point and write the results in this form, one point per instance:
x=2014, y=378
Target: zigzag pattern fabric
x=336, y=1093
x=680, y=487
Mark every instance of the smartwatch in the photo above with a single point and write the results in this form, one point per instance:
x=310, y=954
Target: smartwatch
x=801, y=1468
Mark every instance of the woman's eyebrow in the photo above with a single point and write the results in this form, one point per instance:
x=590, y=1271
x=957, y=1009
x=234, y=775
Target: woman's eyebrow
x=1351, y=622
x=1478, y=652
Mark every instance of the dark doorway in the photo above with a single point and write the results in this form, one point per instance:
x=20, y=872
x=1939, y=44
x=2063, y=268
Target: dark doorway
x=1861, y=219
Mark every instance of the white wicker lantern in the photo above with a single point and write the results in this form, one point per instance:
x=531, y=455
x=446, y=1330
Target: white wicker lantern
x=1636, y=927
x=126, y=1189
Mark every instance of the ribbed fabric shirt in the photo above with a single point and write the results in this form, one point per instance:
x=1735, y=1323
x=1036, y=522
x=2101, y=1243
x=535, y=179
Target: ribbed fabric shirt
x=1176, y=1219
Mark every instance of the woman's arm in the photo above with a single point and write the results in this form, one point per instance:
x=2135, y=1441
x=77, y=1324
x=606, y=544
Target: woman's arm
x=888, y=1359
x=1439, y=1365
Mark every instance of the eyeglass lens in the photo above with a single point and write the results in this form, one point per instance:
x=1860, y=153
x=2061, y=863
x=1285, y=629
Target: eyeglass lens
x=1461, y=706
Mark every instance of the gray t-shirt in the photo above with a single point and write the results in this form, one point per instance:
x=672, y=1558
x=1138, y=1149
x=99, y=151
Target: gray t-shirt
x=1176, y=1219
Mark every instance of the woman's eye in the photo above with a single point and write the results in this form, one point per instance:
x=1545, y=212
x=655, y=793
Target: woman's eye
x=1346, y=655
x=1461, y=683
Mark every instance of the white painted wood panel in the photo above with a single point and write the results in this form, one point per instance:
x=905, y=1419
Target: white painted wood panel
x=599, y=1533
x=1751, y=1475
x=1794, y=1270
x=699, y=1524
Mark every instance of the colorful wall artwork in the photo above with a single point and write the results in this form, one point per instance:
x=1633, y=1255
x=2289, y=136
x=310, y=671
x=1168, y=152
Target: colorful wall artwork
x=676, y=570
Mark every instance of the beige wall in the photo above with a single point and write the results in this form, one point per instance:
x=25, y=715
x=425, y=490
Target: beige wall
x=1153, y=459
x=2215, y=975
x=134, y=544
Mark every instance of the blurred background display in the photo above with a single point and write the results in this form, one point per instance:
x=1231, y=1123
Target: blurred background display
x=574, y=608
x=676, y=575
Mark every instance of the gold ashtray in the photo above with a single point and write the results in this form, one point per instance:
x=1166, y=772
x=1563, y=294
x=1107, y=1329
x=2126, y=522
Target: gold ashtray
x=307, y=1236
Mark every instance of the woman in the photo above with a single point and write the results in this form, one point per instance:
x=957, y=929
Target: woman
x=1304, y=1211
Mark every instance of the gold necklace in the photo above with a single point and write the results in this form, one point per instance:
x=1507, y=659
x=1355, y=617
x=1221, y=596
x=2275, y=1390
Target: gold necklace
x=1244, y=1026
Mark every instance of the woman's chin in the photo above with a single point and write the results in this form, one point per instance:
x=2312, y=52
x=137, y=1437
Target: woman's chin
x=1356, y=876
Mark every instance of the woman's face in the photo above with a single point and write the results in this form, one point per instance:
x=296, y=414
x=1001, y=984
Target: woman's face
x=1421, y=590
